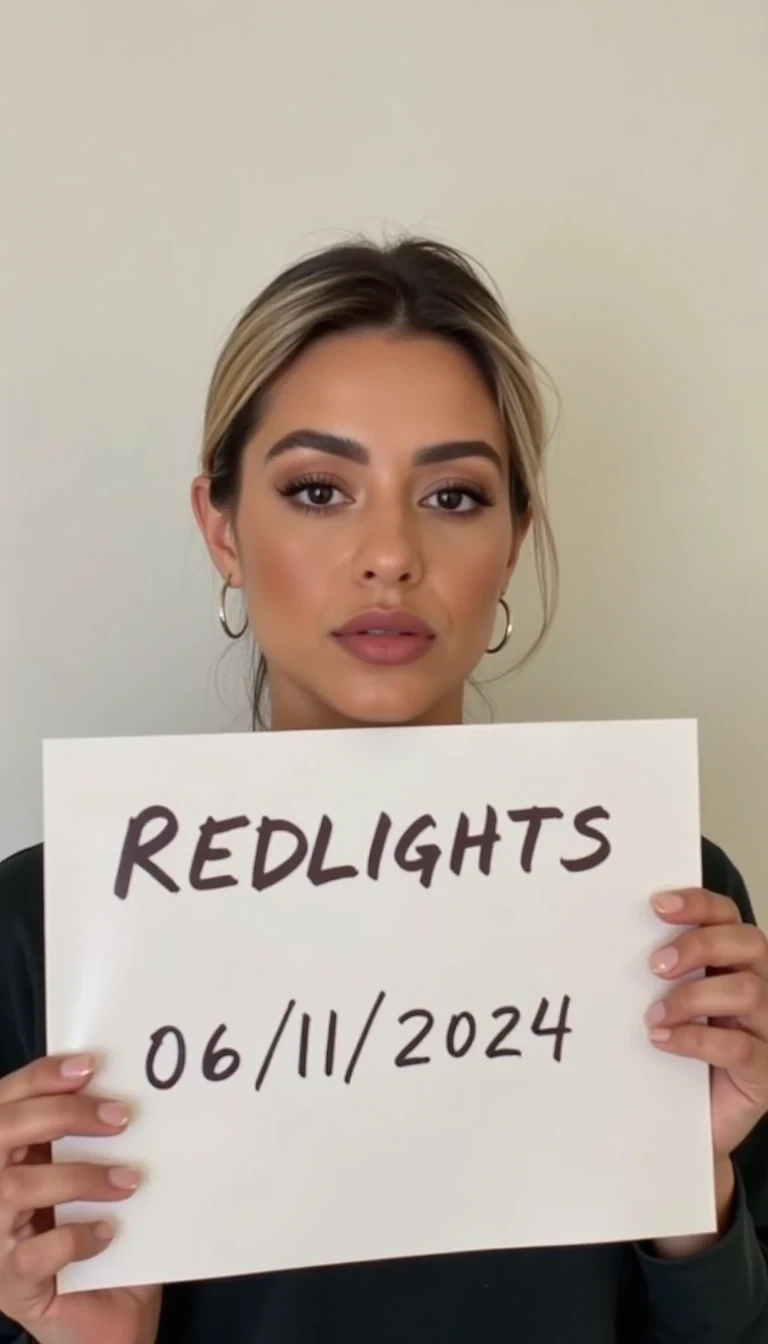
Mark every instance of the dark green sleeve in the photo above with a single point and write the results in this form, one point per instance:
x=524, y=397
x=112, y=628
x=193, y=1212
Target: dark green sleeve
x=22, y=994
x=721, y=1295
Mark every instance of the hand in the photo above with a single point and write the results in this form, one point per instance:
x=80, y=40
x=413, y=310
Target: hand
x=733, y=996
x=39, y=1103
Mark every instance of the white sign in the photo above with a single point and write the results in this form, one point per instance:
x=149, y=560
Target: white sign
x=375, y=993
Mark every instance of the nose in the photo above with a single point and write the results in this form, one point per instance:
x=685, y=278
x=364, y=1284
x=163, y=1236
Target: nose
x=388, y=554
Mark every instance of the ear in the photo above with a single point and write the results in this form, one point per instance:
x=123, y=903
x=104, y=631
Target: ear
x=218, y=532
x=520, y=530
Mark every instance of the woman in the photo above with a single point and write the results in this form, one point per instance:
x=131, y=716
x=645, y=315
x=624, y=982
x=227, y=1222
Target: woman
x=372, y=464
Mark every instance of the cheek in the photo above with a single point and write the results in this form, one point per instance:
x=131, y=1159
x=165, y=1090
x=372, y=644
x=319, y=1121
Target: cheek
x=470, y=581
x=281, y=584
x=474, y=596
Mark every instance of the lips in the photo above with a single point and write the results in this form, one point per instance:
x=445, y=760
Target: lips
x=381, y=637
x=385, y=623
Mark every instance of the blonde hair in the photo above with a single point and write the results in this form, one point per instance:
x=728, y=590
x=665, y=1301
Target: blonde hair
x=414, y=285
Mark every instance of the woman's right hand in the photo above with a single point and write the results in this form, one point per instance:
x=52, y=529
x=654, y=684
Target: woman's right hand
x=40, y=1103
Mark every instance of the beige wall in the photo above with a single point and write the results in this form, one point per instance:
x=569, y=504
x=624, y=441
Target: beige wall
x=607, y=160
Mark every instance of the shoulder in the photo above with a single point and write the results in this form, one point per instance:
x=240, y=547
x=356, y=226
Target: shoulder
x=720, y=875
x=21, y=899
x=21, y=883
x=22, y=992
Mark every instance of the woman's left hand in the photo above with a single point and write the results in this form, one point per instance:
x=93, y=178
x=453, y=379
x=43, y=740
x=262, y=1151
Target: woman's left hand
x=733, y=996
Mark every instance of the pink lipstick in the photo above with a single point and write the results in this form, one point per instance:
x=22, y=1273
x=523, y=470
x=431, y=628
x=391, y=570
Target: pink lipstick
x=384, y=637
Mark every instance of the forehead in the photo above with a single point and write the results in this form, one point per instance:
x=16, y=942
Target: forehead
x=384, y=387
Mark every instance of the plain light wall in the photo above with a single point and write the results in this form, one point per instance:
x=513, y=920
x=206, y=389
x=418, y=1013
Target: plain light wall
x=606, y=160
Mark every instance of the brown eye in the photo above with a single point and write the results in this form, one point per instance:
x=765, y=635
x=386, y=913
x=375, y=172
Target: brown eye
x=457, y=499
x=314, y=496
x=450, y=499
x=319, y=496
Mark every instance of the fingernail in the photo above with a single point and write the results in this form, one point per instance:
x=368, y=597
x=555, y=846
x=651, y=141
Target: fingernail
x=113, y=1113
x=77, y=1066
x=659, y=1034
x=665, y=960
x=667, y=902
x=103, y=1231
x=656, y=1013
x=124, y=1178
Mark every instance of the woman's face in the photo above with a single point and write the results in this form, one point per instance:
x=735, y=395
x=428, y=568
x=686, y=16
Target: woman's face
x=372, y=534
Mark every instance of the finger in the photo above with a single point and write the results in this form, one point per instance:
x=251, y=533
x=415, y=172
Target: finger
x=741, y=1053
x=33, y=1260
x=693, y=905
x=45, y=1119
x=714, y=946
x=23, y=1189
x=55, y=1073
x=742, y=995
x=23, y=1225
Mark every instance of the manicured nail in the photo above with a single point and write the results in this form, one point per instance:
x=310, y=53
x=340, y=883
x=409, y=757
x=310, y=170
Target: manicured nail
x=103, y=1231
x=77, y=1066
x=656, y=1014
x=659, y=1034
x=665, y=960
x=113, y=1113
x=124, y=1178
x=667, y=902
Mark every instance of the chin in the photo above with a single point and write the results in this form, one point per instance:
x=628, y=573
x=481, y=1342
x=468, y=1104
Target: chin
x=382, y=717
x=385, y=705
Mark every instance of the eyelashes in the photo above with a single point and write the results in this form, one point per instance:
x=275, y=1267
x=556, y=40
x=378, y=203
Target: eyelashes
x=456, y=492
x=323, y=495
x=318, y=486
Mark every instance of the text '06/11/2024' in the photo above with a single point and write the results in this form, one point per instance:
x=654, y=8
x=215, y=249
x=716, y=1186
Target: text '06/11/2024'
x=168, y=1055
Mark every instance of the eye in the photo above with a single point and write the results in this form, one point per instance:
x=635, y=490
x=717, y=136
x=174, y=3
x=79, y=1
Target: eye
x=319, y=496
x=458, y=499
x=314, y=495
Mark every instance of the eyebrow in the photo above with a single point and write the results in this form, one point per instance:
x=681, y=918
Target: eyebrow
x=338, y=446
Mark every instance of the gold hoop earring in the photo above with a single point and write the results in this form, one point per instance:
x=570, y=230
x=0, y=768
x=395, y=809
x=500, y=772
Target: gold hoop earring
x=232, y=634
x=496, y=648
